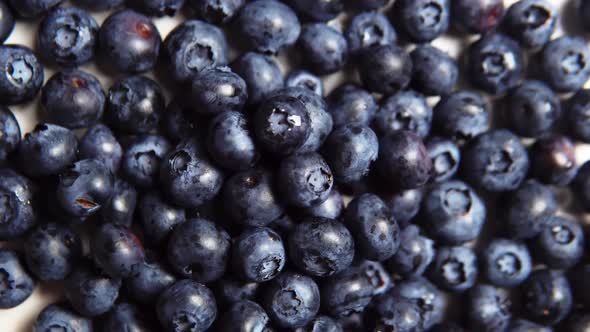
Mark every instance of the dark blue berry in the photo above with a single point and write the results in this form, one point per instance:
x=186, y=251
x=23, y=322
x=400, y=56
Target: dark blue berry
x=349, y=104
x=216, y=11
x=303, y=79
x=415, y=253
x=148, y=280
x=21, y=75
x=258, y=254
x=529, y=209
x=331, y=208
x=16, y=285
x=553, y=160
x=142, y=159
x=561, y=244
x=477, y=16
x=33, y=8
x=578, y=115
x=156, y=7
x=522, y=325
x=58, y=317
x=462, y=115
x=244, y=316
x=232, y=290
x=454, y=268
x=216, y=90
x=292, y=300
x=17, y=197
x=120, y=209
x=179, y=121
x=404, y=204
x=100, y=143
x=317, y=10
x=445, y=156
x=489, y=308
x=158, y=217
x=127, y=317
x=435, y=72
x=10, y=133
x=100, y=6
x=565, y=63
x=186, y=306
x=304, y=180
x=324, y=48
x=116, y=250
x=261, y=73
x=430, y=300
x=547, y=297
x=385, y=69
x=405, y=110
x=322, y=324
x=581, y=186
x=531, y=22
x=230, y=142
x=422, y=20
x=506, y=263
x=369, y=29
x=7, y=21
x=90, y=292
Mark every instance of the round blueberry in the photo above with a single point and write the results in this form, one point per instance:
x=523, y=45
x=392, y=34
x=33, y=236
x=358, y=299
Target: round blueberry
x=581, y=186
x=349, y=104
x=489, y=308
x=561, y=244
x=58, y=317
x=90, y=292
x=578, y=115
x=445, y=156
x=148, y=280
x=583, y=11
x=324, y=48
x=245, y=316
x=16, y=285
x=404, y=204
x=156, y=7
x=547, y=297
x=100, y=143
x=422, y=20
x=553, y=160
x=216, y=90
x=17, y=197
x=565, y=63
x=10, y=133
x=230, y=142
x=261, y=73
x=120, y=209
x=33, y=8
x=435, y=72
x=21, y=74
x=215, y=11
x=232, y=290
x=142, y=159
x=127, y=317
x=322, y=324
x=331, y=208
x=405, y=110
x=116, y=250
x=292, y=300
x=158, y=217
x=462, y=115
x=305, y=179
x=369, y=29
x=393, y=312
x=348, y=292
x=529, y=209
x=454, y=268
x=100, y=6
x=298, y=78
x=531, y=22
x=430, y=300
x=477, y=16
x=506, y=263
x=415, y=253
x=317, y=10
x=179, y=121
x=258, y=254
x=385, y=69
x=7, y=21
x=187, y=305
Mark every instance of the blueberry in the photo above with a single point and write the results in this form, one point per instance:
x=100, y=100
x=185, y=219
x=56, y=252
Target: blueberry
x=186, y=306
x=547, y=297
x=216, y=90
x=380, y=279
x=578, y=115
x=430, y=300
x=403, y=160
x=453, y=212
x=21, y=74
x=68, y=37
x=258, y=254
x=142, y=159
x=565, y=63
x=318, y=10
x=489, y=308
x=17, y=199
x=581, y=186
x=397, y=313
x=522, y=325
x=10, y=133
x=405, y=110
x=102, y=5
x=531, y=22
x=404, y=204
x=324, y=48
x=199, y=249
x=7, y=21
x=90, y=292
x=423, y=20
x=135, y=105
x=454, y=268
x=230, y=142
x=148, y=280
x=367, y=4
x=188, y=177
x=267, y=26
x=495, y=161
x=385, y=69
x=244, y=316
x=179, y=121
x=158, y=217
x=583, y=11
x=100, y=143
x=232, y=290
x=73, y=99
x=16, y=285
x=532, y=109
x=33, y=8
x=261, y=73
x=322, y=324
x=529, y=209
x=156, y=7
x=47, y=150
x=292, y=300
x=331, y=208
x=129, y=41
x=305, y=179
x=477, y=16
x=445, y=156
x=462, y=115
x=349, y=104
x=126, y=317
x=369, y=29
x=116, y=250
x=216, y=11
x=495, y=63
x=506, y=263
x=553, y=160
x=52, y=250
x=321, y=247
x=561, y=244
x=415, y=253
x=58, y=317
x=298, y=78
x=193, y=46
x=435, y=72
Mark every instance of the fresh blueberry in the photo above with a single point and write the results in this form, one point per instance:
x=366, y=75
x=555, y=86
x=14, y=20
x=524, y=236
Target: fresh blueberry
x=7, y=21
x=216, y=11
x=405, y=110
x=179, y=121
x=16, y=285
x=454, y=268
x=116, y=250
x=135, y=105
x=531, y=22
x=258, y=254
x=430, y=300
x=547, y=297
x=422, y=20
x=100, y=143
x=565, y=63
x=126, y=317
x=529, y=210
x=396, y=313
x=244, y=316
x=47, y=150
x=506, y=263
x=10, y=134
x=261, y=73
x=317, y=10
x=292, y=300
x=581, y=186
x=404, y=204
x=321, y=324
x=303, y=79
x=435, y=72
x=120, y=208
x=90, y=292
x=349, y=104
x=186, y=306
x=415, y=253
x=369, y=29
x=129, y=41
x=68, y=37
x=142, y=159
x=553, y=160
x=385, y=69
x=489, y=308
x=267, y=26
x=100, y=6
x=561, y=244
x=17, y=197
x=232, y=290
x=522, y=325
x=331, y=208
x=462, y=115
x=216, y=90
x=230, y=142
x=583, y=11
x=445, y=156
x=380, y=279
x=156, y=7
x=477, y=16
x=58, y=317
x=495, y=161
x=73, y=99
x=305, y=180
x=158, y=217
x=148, y=280
x=33, y=8
x=21, y=74
x=324, y=48
x=578, y=115
x=367, y=4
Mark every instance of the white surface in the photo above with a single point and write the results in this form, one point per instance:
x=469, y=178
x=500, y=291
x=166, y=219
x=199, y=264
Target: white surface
x=21, y=318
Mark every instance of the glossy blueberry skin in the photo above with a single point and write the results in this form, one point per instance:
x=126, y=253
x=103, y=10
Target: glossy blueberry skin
x=553, y=160
x=435, y=72
x=10, y=133
x=73, y=99
x=58, y=317
x=229, y=291
x=68, y=37
x=385, y=69
x=129, y=41
x=369, y=29
x=431, y=303
x=90, y=292
x=376, y=233
x=331, y=208
x=186, y=303
x=393, y=312
x=405, y=110
x=578, y=115
x=477, y=16
x=495, y=63
x=261, y=73
x=324, y=48
x=230, y=143
x=522, y=325
x=506, y=263
x=158, y=217
x=423, y=20
x=17, y=285
x=216, y=90
x=47, y=150
x=415, y=253
x=531, y=22
x=33, y=8
x=292, y=300
x=244, y=316
x=445, y=156
x=565, y=63
x=321, y=323
x=100, y=143
x=142, y=159
x=215, y=11
x=304, y=180
x=489, y=308
x=17, y=195
x=156, y=7
x=179, y=121
x=403, y=160
x=52, y=250
x=135, y=105
x=547, y=297
x=258, y=254
x=350, y=104
x=317, y=10
x=462, y=115
x=21, y=74
x=126, y=317
x=581, y=186
x=267, y=26
x=7, y=21
x=561, y=244
x=347, y=292
x=191, y=255
x=529, y=209
x=298, y=78
x=120, y=209
x=148, y=280
x=193, y=46
x=350, y=150
x=404, y=204
x=116, y=250
x=454, y=268
x=99, y=5
x=495, y=161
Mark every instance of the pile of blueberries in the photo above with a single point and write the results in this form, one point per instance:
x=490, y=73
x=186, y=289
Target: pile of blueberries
x=223, y=209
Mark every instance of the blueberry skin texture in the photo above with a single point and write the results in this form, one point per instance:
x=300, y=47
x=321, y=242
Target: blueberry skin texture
x=385, y=69
x=214, y=11
x=404, y=204
x=193, y=46
x=532, y=109
x=142, y=159
x=369, y=29
x=304, y=180
x=565, y=63
x=10, y=133
x=495, y=63
x=191, y=255
x=186, y=303
x=396, y=313
x=405, y=110
x=531, y=22
x=250, y=199
x=116, y=250
x=17, y=194
x=267, y=26
x=376, y=233
x=435, y=72
x=560, y=245
x=324, y=48
x=506, y=263
x=331, y=208
x=33, y=8
x=100, y=143
x=230, y=142
x=581, y=186
x=430, y=300
x=522, y=325
x=415, y=254
x=578, y=115
x=454, y=269
x=68, y=36
x=7, y=21
x=321, y=323
x=99, y=6
x=135, y=105
x=179, y=121
x=179, y=169
x=229, y=291
x=158, y=217
x=403, y=160
x=244, y=316
x=157, y=8
x=298, y=78
x=347, y=292
x=424, y=20
x=120, y=209
x=292, y=300
x=148, y=280
x=350, y=104
x=261, y=73
x=73, y=99
x=553, y=160
x=47, y=150
x=52, y=250
x=90, y=292
x=58, y=317
x=489, y=308
x=547, y=297
x=462, y=115
x=476, y=16
x=258, y=254
x=445, y=156
x=21, y=76
x=126, y=317
x=129, y=41
x=17, y=284
x=216, y=90
x=529, y=210
x=317, y=10
x=495, y=161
